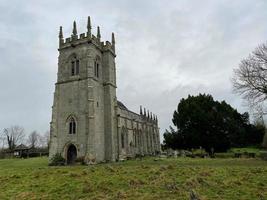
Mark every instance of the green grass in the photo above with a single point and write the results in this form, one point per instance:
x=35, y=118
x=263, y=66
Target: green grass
x=247, y=149
x=231, y=152
x=146, y=179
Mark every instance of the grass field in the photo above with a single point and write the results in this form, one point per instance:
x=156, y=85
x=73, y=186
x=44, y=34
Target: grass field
x=147, y=179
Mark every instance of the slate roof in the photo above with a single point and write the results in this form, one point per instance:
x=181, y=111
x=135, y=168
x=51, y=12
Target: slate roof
x=122, y=106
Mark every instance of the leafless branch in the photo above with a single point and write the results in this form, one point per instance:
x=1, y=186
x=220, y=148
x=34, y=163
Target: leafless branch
x=14, y=135
x=250, y=78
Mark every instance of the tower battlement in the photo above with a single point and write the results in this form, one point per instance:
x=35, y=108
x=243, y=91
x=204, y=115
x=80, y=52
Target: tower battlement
x=87, y=37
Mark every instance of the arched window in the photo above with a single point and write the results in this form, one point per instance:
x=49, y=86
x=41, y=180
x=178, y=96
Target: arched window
x=140, y=138
x=72, y=68
x=122, y=140
x=134, y=138
x=147, y=140
x=72, y=126
x=97, y=67
x=75, y=67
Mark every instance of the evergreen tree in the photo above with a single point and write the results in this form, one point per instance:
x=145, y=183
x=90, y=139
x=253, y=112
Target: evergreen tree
x=201, y=121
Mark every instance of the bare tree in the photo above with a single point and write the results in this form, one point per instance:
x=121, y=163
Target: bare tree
x=14, y=135
x=2, y=140
x=33, y=139
x=44, y=139
x=47, y=138
x=250, y=78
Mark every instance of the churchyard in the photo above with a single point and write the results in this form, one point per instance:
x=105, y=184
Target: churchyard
x=149, y=178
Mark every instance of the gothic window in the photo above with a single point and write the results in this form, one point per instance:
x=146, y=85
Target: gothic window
x=151, y=140
x=96, y=69
x=72, y=126
x=72, y=68
x=134, y=138
x=147, y=139
x=75, y=67
x=122, y=140
x=140, y=138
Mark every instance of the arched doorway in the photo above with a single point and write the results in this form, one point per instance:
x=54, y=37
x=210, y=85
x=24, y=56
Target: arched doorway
x=71, y=154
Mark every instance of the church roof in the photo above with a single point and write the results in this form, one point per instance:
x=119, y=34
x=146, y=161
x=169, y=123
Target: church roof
x=122, y=106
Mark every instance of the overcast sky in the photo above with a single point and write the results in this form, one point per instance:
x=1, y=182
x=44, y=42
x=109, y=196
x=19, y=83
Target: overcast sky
x=165, y=51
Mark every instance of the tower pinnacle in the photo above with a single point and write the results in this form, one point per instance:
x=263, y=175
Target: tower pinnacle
x=60, y=36
x=141, y=112
x=89, y=27
x=60, y=32
x=113, y=40
x=98, y=33
x=74, y=31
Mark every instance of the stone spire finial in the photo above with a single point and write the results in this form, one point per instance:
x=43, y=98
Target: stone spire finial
x=141, y=112
x=113, y=41
x=148, y=114
x=98, y=33
x=89, y=27
x=74, y=31
x=60, y=32
x=145, y=111
x=113, y=38
x=60, y=36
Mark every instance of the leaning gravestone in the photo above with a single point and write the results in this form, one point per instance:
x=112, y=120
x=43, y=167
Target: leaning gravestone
x=89, y=159
x=182, y=153
x=175, y=153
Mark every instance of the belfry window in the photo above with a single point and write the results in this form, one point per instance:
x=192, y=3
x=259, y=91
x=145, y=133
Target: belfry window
x=75, y=67
x=72, y=68
x=72, y=126
x=96, y=69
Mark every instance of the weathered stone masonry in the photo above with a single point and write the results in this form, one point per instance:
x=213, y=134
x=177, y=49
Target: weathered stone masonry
x=87, y=119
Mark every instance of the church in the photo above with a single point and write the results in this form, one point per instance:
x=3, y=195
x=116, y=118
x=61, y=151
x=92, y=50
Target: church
x=87, y=119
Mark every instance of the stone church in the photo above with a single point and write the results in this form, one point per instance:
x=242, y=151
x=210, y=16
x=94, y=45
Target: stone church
x=87, y=119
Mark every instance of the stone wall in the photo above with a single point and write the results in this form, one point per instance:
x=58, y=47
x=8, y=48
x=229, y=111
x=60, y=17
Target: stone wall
x=139, y=133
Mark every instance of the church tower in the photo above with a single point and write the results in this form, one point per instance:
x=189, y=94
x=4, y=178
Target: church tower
x=84, y=119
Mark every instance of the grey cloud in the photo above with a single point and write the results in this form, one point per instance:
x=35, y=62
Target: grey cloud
x=165, y=51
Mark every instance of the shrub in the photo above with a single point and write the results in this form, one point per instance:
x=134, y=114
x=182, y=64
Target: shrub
x=200, y=153
x=224, y=155
x=57, y=160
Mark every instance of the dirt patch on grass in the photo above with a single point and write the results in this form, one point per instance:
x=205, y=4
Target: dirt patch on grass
x=26, y=196
x=136, y=183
